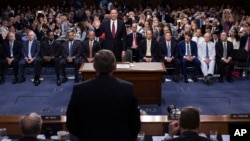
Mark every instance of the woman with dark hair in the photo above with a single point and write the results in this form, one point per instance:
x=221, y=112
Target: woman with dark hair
x=234, y=38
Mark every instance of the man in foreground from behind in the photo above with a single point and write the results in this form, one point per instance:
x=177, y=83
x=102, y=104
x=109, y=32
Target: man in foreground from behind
x=31, y=126
x=104, y=108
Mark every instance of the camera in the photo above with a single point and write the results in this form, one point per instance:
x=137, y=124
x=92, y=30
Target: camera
x=174, y=113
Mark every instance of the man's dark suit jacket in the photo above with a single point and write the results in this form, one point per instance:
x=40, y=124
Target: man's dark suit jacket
x=85, y=53
x=189, y=136
x=53, y=50
x=130, y=39
x=17, y=47
x=76, y=49
x=243, y=41
x=182, y=48
x=219, y=50
x=117, y=44
x=163, y=49
x=35, y=49
x=154, y=49
x=103, y=108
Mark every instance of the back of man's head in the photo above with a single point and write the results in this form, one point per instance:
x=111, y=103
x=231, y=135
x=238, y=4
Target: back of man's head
x=104, y=61
x=31, y=124
x=190, y=118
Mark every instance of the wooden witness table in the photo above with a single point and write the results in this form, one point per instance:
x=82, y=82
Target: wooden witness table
x=146, y=77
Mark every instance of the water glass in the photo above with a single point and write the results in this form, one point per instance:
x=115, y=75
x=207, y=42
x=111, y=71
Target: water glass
x=3, y=134
x=213, y=135
x=140, y=136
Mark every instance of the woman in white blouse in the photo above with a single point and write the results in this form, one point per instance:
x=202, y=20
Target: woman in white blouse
x=234, y=38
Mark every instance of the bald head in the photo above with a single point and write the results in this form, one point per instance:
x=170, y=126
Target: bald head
x=31, y=124
x=31, y=35
x=11, y=36
x=207, y=37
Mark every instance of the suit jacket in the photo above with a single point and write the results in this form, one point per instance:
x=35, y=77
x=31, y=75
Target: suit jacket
x=106, y=106
x=189, y=136
x=53, y=50
x=35, y=49
x=202, y=50
x=163, y=49
x=17, y=47
x=182, y=48
x=76, y=49
x=130, y=39
x=219, y=50
x=85, y=53
x=117, y=44
x=154, y=49
x=243, y=41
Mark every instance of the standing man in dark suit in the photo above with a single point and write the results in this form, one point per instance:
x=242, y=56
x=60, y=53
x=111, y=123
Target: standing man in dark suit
x=12, y=51
x=148, y=48
x=51, y=53
x=90, y=48
x=133, y=40
x=71, y=55
x=189, y=54
x=115, y=114
x=224, y=52
x=115, y=35
x=168, y=53
x=31, y=56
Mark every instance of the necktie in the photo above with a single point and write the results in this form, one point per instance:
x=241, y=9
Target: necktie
x=207, y=56
x=29, y=51
x=169, y=49
x=188, y=49
x=148, y=51
x=90, y=49
x=70, y=49
x=113, y=29
x=11, y=49
x=249, y=44
x=224, y=50
x=134, y=38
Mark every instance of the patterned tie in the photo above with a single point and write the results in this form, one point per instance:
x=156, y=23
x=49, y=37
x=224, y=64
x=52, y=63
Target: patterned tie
x=224, y=50
x=207, y=56
x=113, y=29
x=11, y=49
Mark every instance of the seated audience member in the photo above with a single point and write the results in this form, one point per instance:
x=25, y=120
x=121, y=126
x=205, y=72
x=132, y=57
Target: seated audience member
x=121, y=118
x=133, y=40
x=90, y=48
x=198, y=37
x=245, y=40
x=187, y=125
x=30, y=56
x=234, y=38
x=189, y=55
x=51, y=53
x=71, y=55
x=168, y=53
x=206, y=53
x=224, y=52
x=12, y=51
x=30, y=126
x=148, y=48
x=215, y=37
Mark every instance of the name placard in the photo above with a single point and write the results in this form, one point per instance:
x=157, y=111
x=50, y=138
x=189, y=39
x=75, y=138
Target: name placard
x=51, y=117
x=240, y=116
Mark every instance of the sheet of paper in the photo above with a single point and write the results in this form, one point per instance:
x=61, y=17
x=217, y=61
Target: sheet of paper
x=122, y=66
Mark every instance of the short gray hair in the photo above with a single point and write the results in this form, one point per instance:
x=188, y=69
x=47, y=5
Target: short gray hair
x=31, y=124
x=104, y=61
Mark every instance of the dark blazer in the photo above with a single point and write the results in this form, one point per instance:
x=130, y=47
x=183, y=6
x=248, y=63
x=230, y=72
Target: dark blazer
x=35, y=49
x=76, y=49
x=189, y=136
x=103, y=105
x=130, y=39
x=219, y=50
x=117, y=44
x=17, y=47
x=154, y=49
x=163, y=49
x=182, y=48
x=243, y=41
x=85, y=51
x=53, y=50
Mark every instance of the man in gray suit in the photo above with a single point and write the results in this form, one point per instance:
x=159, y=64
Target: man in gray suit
x=206, y=55
x=30, y=56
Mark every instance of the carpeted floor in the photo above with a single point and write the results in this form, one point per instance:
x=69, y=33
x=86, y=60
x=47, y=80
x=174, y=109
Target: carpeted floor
x=49, y=99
